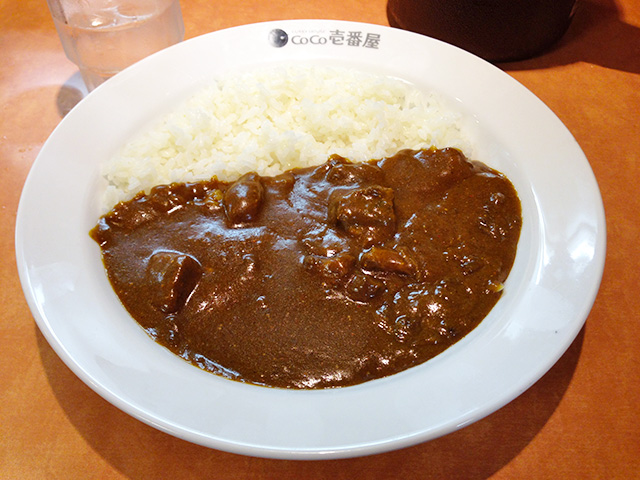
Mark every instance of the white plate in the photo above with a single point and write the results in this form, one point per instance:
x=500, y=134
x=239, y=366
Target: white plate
x=548, y=295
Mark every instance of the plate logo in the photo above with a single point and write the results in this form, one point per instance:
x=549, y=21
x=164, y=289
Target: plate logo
x=349, y=38
x=278, y=38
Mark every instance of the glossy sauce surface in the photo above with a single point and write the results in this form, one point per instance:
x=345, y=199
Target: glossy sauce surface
x=319, y=277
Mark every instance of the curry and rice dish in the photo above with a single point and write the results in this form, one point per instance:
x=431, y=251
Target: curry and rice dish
x=319, y=276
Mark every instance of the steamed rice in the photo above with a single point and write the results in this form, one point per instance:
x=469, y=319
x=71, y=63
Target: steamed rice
x=280, y=118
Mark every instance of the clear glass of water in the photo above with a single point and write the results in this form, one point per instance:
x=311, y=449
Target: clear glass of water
x=102, y=37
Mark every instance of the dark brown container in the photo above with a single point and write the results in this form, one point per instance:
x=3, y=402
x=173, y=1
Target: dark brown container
x=496, y=30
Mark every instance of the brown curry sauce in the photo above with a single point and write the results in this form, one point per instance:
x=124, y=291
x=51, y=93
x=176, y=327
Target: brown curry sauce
x=320, y=277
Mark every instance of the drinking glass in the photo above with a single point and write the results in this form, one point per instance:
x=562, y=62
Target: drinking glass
x=102, y=37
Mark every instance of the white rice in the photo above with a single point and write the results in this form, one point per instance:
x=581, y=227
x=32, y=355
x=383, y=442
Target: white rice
x=280, y=118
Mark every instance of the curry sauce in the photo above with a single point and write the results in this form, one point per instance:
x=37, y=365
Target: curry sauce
x=319, y=277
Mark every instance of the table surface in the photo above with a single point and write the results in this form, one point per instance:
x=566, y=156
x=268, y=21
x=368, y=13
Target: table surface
x=579, y=421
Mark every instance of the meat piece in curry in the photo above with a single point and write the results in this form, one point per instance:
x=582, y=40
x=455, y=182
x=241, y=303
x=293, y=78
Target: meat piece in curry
x=319, y=277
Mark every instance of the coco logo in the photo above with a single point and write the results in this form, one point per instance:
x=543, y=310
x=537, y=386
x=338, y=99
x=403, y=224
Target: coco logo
x=350, y=39
x=313, y=40
x=278, y=38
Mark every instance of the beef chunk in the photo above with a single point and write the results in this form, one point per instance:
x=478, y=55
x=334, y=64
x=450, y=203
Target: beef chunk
x=174, y=275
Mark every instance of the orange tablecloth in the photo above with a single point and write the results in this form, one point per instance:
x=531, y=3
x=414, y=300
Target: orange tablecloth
x=579, y=421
